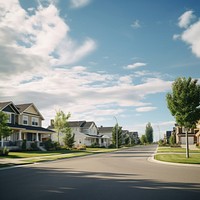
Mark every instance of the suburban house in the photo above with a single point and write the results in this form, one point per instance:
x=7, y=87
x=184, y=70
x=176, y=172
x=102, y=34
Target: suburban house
x=25, y=120
x=86, y=133
x=180, y=133
x=134, y=136
x=197, y=130
x=106, y=132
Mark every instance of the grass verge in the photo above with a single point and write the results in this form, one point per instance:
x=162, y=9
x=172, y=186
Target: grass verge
x=20, y=158
x=175, y=150
x=179, y=158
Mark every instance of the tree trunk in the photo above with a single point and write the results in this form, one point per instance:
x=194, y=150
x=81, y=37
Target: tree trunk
x=187, y=145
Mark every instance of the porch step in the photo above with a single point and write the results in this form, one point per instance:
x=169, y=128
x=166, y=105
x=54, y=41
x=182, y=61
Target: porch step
x=42, y=148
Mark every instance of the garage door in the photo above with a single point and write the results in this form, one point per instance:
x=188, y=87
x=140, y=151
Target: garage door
x=190, y=140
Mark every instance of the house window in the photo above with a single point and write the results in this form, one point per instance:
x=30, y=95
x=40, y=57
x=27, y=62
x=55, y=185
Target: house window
x=35, y=121
x=25, y=120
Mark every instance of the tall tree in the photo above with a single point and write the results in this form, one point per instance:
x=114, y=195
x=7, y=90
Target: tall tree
x=149, y=133
x=69, y=137
x=5, y=131
x=184, y=104
x=61, y=122
x=117, y=135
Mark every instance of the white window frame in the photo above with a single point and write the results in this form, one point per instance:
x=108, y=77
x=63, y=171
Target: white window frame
x=35, y=121
x=25, y=118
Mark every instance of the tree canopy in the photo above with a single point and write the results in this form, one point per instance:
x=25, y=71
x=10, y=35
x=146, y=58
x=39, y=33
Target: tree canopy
x=5, y=131
x=117, y=135
x=184, y=101
x=184, y=104
x=149, y=133
x=61, y=122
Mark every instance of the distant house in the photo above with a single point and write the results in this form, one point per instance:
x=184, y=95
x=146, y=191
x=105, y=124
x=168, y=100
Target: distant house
x=168, y=135
x=197, y=130
x=26, y=122
x=180, y=133
x=134, y=136
x=107, y=133
x=86, y=133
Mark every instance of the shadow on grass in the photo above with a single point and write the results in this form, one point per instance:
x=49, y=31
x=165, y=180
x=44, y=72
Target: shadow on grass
x=67, y=183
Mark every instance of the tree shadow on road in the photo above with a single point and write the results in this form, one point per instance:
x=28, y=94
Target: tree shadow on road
x=65, y=183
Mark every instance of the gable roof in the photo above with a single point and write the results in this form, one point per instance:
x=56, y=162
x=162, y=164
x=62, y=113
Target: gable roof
x=105, y=129
x=5, y=104
x=23, y=107
x=76, y=123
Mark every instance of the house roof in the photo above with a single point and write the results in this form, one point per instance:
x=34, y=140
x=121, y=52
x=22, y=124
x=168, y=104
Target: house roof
x=88, y=124
x=30, y=128
x=105, y=129
x=5, y=104
x=76, y=123
x=23, y=107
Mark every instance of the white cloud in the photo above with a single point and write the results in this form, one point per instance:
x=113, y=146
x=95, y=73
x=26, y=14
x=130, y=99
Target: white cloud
x=145, y=109
x=176, y=36
x=192, y=37
x=191, y=34
x=40, y=39
x=135, y=65
x=185, y=19
x=79, y=3
x=136, y=24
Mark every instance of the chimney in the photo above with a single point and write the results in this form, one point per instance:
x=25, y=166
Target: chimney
x=52, y=122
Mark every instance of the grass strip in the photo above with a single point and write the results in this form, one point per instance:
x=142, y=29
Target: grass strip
x=179, y=158
x=175, y=150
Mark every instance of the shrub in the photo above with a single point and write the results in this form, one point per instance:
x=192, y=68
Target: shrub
x=34, y=146
x=23, y=145
x=111, y=146
x=4, y=151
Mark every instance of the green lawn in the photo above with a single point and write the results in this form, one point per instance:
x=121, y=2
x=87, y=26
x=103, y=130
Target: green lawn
x=179, y=158
x=174, y=150
x=40, y=156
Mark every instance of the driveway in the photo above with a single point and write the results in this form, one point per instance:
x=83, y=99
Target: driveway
x=125, y=174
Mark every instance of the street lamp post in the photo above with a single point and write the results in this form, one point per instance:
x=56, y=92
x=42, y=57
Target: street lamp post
x=116, y=132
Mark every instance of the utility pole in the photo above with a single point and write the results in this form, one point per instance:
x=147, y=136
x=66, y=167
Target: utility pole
x=116, y=132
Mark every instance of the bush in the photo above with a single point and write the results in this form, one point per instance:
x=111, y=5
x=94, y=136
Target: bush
x=34, y=146
x=94, y=145
x=111, y=146
x=4, y=151
x=23, y=145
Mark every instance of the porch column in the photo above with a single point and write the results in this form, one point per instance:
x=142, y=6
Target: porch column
x=100, y=142
x=37, y=139
x=20, y=135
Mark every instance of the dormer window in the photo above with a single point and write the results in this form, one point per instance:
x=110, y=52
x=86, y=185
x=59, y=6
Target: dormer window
x=35, y=121
x=25, y=120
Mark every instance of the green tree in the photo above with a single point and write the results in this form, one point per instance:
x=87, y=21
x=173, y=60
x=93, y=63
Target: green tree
x=149, y=133
x=184, y=104
x=5, y=131
x=117, y=135
x=143, y=139
x=69, y=138
x=61, y=123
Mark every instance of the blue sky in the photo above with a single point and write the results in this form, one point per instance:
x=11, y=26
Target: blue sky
x=99, y=58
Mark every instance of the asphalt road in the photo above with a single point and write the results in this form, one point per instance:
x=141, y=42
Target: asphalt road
x=120, y=175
